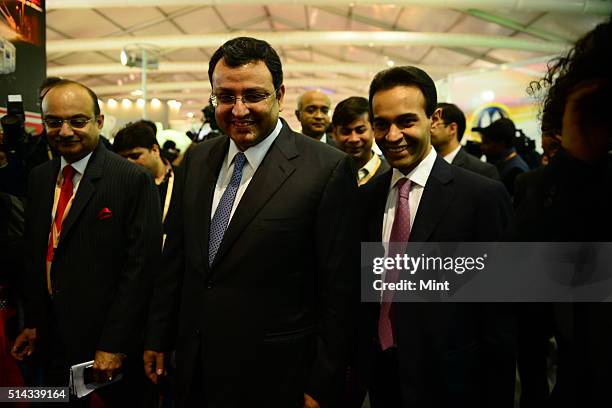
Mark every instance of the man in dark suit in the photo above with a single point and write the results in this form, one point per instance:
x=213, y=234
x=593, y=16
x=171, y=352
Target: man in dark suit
x=262, y=237
x=498, y=144
x=313, y=113
x=446, y=138
x=94, y=237
x=354, y=136
x=424, y=354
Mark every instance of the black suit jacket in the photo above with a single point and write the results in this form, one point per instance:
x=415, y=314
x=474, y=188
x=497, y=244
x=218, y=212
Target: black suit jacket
x=469, y=162
x=270, y=318
x=450, y=354
x=570, y=201
x=102, y=268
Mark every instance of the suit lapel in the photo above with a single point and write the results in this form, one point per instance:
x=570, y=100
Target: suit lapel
x=270, y=175
x=208, y=172
x=94, y=171
x=460, y=158
x=47, y=195
x=435, y=200
x=376, y=213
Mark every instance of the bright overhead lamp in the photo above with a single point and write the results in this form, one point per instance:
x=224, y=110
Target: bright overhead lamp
x=140, y=55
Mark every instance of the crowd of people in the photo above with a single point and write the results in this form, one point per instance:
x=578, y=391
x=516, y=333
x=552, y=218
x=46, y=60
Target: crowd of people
x=233, y=279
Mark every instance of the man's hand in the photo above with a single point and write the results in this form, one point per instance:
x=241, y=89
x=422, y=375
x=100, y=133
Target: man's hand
x=106, y=365
x=24, y=344
x=153, y=365
x=309, y=402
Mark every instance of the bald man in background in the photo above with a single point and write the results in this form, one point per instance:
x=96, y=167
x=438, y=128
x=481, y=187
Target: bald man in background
x=313, y=113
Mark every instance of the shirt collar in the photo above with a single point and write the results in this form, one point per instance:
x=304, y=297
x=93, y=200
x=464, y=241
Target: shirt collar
x=79, y=166
x=369, y=166
x=254, y=154
x=419, y=174
x=451, y=156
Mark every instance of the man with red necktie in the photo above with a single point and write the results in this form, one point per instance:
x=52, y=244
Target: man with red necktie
x=96, y=217
x=429, y=354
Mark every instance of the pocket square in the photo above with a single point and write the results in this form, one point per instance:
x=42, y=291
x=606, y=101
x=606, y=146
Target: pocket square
x=105, y=213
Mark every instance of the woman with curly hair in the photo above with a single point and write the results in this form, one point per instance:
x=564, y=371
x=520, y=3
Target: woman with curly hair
x=570, y=200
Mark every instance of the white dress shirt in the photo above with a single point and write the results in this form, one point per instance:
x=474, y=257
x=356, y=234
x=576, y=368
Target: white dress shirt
x=370, y=167
x=418, y=177
x=451, y=156
x=79, y=167
x=254, y=156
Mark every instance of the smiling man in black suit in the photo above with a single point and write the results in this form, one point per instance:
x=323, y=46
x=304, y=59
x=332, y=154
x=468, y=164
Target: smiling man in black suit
x=262, y=237
x=94, y=238
x=423, y=354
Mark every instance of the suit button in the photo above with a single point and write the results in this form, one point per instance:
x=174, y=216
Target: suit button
x=209, y=285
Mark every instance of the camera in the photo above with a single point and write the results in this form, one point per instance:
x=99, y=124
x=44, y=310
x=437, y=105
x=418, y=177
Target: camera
x=206, y=132
x=15, y=138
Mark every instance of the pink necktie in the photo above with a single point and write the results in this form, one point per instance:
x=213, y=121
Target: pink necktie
x=400, y=233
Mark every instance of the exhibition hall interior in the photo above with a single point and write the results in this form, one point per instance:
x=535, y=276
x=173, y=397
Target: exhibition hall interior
x=306, y=203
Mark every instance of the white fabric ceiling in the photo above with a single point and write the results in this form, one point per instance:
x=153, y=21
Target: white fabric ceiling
x=333, y=45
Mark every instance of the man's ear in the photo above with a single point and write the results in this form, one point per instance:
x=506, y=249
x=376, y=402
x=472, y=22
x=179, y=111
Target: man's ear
x=334, y=133
x=280, y=95
x=453, y=128
x=155, y=149
x=100, y=121
x=436, y=117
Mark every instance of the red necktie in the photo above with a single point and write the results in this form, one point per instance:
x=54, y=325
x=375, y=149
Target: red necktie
x=400, y=233
x=62, y=203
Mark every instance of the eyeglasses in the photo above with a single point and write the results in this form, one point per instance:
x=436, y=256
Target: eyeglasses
x=247, y=99
x=75, y=123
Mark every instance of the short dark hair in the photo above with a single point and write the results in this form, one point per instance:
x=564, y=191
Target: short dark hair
x=65, y=82
x=150, y=124
x=242, y=50
x=349, y=110
x=133, y=135
x=452, y=114
x=47, y=84
x=502, y=130
x=406, y=76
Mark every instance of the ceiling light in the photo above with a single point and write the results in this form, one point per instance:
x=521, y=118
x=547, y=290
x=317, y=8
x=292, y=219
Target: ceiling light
x=123, y=57
x=488, y=96
x=140, y=102
x=134, y=55
x=126, y=103
x=174, y=104
x=111, y=103
x=155, y=103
